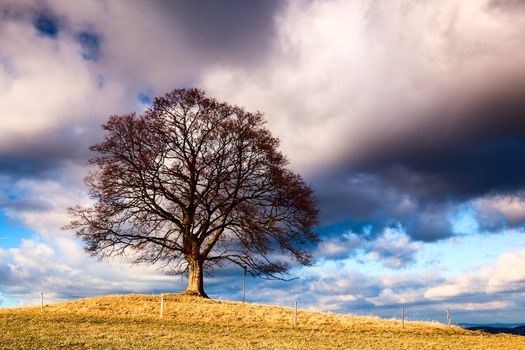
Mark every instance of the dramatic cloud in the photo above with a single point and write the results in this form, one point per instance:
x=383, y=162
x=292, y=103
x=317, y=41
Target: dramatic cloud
x=403, y=126
x=64, y=67
x=52, y=101
x=409, y=103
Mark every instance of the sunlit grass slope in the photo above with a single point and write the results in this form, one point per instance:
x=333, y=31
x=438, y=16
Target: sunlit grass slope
x=132, y=322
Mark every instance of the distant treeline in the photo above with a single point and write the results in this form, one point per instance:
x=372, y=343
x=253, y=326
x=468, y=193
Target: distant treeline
x=518, y=330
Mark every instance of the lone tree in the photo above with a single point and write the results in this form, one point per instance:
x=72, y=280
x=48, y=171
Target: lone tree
x=192, y=183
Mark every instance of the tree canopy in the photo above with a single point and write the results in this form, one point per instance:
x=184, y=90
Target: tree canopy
x=192, y=183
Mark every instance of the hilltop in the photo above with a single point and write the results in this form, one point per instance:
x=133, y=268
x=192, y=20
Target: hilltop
x=132, y=322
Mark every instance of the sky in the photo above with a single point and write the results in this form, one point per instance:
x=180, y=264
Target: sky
x=407, y=118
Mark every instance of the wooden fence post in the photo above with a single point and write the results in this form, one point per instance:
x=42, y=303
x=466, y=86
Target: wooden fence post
x=161, y=305
x=403, y=316
x=42, y=301
x=449, y=319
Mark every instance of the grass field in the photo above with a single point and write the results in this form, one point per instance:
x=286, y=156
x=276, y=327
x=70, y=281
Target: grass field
x=132, y=322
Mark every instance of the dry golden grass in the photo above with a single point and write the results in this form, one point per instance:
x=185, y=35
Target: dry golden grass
x=132, y=322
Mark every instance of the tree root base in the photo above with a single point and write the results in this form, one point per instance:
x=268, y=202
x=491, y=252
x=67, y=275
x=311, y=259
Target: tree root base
x=193, y=293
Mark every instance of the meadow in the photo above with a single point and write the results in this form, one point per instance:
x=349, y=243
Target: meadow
x=133, y=322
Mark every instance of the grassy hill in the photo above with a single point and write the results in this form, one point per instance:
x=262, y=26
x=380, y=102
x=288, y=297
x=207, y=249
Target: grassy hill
x=132, y=322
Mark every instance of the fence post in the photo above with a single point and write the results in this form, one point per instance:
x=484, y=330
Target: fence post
x=449, y=319
x=295, y=314
x=161, y=305
x=403, y=316
x=42, y=302
x=244, y=286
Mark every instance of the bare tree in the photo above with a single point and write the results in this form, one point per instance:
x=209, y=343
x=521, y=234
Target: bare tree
x=192, y=183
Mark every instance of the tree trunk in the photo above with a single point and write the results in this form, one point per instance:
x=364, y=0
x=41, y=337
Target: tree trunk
x=195, y=279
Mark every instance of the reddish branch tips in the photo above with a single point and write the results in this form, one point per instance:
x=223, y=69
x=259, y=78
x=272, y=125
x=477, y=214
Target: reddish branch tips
x=195, y=182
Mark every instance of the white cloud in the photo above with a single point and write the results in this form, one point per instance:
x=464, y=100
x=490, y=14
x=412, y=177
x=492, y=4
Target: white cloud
x=510, y=208
x=45, y=202
x=507, y=275
x=390, y=297
x=447, y=291
x=45, y=85
x=491, y=305
x=341, y=247
x=392, y=249
x=504, y=276
x=60, y=269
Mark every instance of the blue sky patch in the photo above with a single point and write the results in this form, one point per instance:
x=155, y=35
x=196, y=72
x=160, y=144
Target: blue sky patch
x=145, y=98
x=11, y=233
x=46, y=25
x=90, y=43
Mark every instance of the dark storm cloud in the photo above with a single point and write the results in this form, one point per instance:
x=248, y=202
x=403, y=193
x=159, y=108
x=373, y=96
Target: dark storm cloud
x=235, y=30
x=506, y=4
x=23, y=204
x=43, y=155
x=44, y=20
x=470, y=147
x=369, y=203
